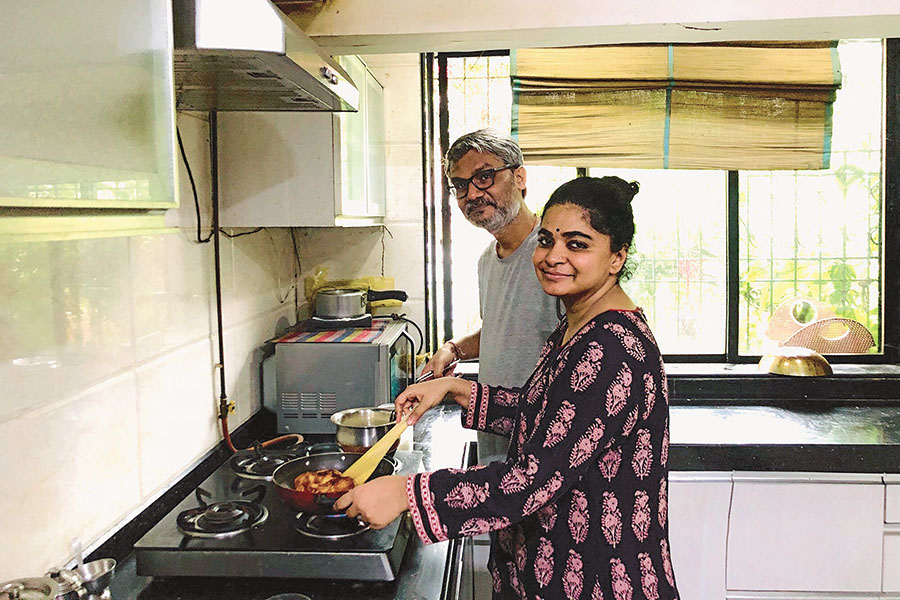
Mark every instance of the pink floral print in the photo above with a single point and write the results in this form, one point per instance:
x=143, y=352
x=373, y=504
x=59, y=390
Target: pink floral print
x=536, y=391
x=618, y=393
x=640, y=517
x=643, y=454
x=662, y=513
x=621, y=582
x=597, y=591
x=609, y=463
x=543, y=494
x=547, y=517
x=518, y=478
x=560, y=425
x=579, y=520
x=480, y=525
x=521, y=552
x=467, y=495
x=649, y=580
x=502, y=426
x=506, y=398
x=573, y=578
x=611, y=522
x=543, y=562
x=664, y=451
x=649, y=395
x=586, y=370
x=586, y=444
x=631, y=343
x=666, y=561
x=630, y=422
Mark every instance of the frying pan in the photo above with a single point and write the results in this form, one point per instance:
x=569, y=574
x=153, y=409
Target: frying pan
x=319, y=504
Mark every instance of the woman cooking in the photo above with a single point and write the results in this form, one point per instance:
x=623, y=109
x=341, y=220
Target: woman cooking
x=579, y=507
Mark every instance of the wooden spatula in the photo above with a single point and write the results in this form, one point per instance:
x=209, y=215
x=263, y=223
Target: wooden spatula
x=362, y=469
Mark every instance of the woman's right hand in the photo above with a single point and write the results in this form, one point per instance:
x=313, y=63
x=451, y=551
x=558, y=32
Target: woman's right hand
x=438, y=362
x=417, y=398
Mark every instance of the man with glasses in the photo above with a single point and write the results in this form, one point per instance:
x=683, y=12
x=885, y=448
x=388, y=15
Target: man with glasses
x=487, y=179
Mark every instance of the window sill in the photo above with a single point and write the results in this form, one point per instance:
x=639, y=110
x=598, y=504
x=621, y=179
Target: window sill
x=733, y=384
x=739, y=383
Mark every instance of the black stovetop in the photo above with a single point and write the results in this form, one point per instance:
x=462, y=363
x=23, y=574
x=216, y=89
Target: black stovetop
x=273, y=548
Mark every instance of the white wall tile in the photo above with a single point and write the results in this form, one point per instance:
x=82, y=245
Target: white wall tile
x=65, y=315
x=177, y=413
x=402, y=104
x=262, y=273
x=403, y=183
x=171, y=278
x=71, y=471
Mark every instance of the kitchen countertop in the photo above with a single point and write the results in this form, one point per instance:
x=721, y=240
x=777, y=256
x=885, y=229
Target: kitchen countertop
x=812, y=438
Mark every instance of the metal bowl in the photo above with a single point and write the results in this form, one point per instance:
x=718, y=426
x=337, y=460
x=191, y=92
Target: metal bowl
x=359, y=428
x=795, y=361
x=43, y=588
x=96, y=574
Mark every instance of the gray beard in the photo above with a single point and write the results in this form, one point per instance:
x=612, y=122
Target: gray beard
x=502, y=217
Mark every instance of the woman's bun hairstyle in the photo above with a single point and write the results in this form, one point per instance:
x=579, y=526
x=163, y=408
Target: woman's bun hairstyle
x=607, y=201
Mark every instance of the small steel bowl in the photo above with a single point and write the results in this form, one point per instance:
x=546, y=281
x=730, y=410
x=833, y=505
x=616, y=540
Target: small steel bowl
x=795, y=361
x=359, y=428
x=96, y=574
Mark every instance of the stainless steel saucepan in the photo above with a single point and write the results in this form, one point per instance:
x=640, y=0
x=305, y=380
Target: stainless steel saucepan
x=344, y=303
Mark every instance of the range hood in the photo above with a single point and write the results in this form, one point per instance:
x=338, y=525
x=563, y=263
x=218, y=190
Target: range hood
x=247, y=55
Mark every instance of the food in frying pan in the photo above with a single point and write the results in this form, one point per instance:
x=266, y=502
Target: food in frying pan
x=323, y=481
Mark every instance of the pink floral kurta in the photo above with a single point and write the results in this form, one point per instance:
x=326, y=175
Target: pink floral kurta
x=579, y=508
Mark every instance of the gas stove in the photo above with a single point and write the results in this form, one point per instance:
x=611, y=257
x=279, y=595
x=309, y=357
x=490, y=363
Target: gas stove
x=235, y=525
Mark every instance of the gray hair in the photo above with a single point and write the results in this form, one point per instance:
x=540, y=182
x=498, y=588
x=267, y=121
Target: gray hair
x=488, y=141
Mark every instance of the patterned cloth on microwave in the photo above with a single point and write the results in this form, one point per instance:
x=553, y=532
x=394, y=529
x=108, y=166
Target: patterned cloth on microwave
x=579, y=509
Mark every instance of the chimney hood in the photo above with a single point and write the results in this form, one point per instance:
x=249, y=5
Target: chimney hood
x=247, y=55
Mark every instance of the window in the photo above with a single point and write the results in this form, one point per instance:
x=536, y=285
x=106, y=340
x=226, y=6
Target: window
x=730, y=264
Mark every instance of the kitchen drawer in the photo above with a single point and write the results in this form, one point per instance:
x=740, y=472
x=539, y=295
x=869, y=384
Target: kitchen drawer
x=891, y=567
x=892, y=503
x=812, y=532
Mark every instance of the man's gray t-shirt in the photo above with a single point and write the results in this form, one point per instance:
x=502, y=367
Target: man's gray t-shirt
x=517, y=317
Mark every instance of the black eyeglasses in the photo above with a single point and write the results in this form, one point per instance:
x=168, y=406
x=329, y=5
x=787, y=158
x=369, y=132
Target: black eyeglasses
x=482, y=180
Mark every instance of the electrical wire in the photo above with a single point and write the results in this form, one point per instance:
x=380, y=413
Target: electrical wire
x=402, y=317
x=187, y=165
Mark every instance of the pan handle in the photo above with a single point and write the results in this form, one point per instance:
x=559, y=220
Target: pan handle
x=376, y=295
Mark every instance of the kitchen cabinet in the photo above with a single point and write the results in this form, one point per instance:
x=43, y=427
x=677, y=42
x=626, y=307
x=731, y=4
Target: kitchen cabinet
x=796, y=532
x=698, y=528
x=88, y=110
x=294, y=169
x=891, y=562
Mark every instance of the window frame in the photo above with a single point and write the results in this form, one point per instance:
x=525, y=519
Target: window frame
x=872, y=367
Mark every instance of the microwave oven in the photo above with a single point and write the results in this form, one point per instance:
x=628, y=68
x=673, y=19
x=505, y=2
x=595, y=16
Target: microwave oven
x=318, y=373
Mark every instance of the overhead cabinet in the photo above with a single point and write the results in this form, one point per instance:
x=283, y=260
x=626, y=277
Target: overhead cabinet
x=290, y=169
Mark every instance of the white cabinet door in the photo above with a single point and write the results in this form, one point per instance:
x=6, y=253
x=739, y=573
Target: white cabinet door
x=698, y=527
x=806, y=532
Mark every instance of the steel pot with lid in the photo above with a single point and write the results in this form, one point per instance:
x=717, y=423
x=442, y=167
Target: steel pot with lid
x=31, y=588
x=344, y=303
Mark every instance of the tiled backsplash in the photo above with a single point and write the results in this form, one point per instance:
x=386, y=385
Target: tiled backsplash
x=107, y=346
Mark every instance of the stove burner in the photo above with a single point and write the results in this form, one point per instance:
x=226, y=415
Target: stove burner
x=260, y=462
x=328, y=527
x=262, y=466
x=222, y=519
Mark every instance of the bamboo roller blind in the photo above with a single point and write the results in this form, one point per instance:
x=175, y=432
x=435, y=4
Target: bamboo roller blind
x=758, y=105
